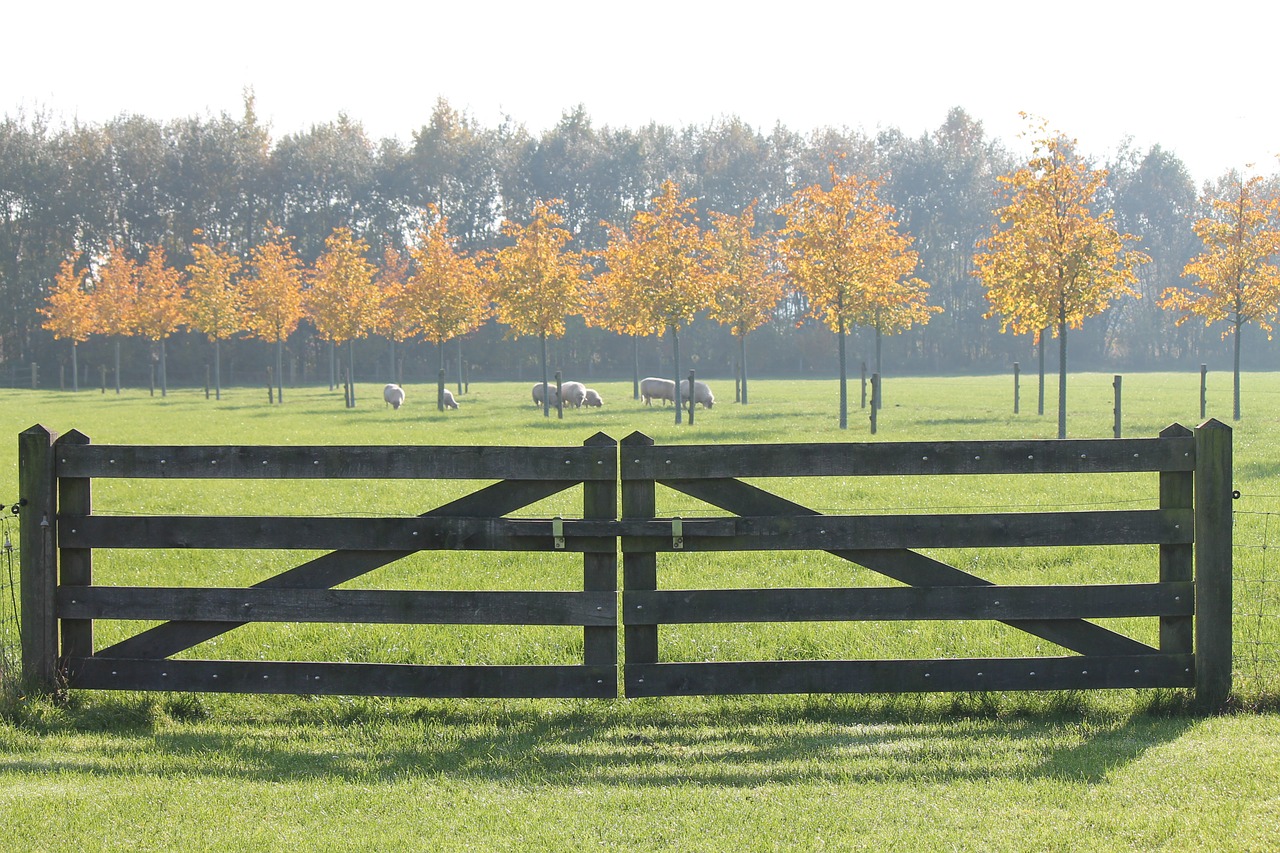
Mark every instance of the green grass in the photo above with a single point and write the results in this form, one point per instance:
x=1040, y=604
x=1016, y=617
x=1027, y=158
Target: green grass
x=1017, y=771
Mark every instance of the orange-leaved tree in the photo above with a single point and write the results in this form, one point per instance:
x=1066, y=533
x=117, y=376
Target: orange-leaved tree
x=162, y=306
x=1237, y=279
x=660, y=266
x=393, y=323
x=115, y=296
x=748, y=282
x=445, y=296
x=535, y=281
x=273, y=296
x=1052, y=261
x=616, y=301
x=343, y=302
x=214, y=301
x=68, y=312
x=844, y=251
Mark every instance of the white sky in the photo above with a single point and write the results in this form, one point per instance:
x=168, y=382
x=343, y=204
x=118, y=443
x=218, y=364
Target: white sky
x=1198, y=83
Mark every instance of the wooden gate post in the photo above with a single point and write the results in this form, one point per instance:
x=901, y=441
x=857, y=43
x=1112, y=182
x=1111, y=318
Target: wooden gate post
x=639, y=570
x=1213, y=563
x=75, y=565
x=600, y=571
x=39, y=563
x=1177, y=562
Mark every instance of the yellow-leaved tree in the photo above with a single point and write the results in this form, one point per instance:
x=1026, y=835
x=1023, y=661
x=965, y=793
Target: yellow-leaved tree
x=747, y=280
x=394, y=324
x=1236, y=277
x=273, y=296
x=115, y=298
x=445, y=296
x=660, y=267
x=68, y=312
x=1052, y=261
x=843, y=250
x=535, y=281
x=162, y=306
x=214, y=302
x=343, y=302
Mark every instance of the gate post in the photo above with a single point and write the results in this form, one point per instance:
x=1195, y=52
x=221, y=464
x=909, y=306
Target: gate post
x=1213, y=563
x=39, y=565
x=639, y=570
x=600, y=571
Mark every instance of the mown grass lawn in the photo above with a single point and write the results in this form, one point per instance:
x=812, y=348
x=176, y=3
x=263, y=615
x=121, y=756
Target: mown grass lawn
x=1125, y=769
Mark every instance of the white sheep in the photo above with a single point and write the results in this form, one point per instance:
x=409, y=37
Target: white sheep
x=652, y=388
x=394, y=395
x=446, y=397
x=701, y=394
x=573, y=393
x=592, y=398
x=550, y=394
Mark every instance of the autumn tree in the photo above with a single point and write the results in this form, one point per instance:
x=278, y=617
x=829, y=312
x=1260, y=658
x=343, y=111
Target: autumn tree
x=747, y=282
x=394, y=323
x=844, y=251
x=215, y=303
x=535, y=282
x=273, y=296
x=614, y=300
x=1051, y=261
x=115, y=297
x=343, y=302
x=661, y=262
x=1237, y=279
x=68, y=312
x=445, y=296
x=162, y=306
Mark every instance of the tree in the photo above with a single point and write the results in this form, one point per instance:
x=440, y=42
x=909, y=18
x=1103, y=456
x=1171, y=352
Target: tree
x=1237, y=280
x=343, y=302
x=660, y=267
x=445, y=296
x=162, y=306
x=273, y=296
x=69, y=312
x=215, y=304
x=115, y=297
x=395, y=323
x=747, y=282
x=844, y=251
x=1052, y=262
x=535, y=282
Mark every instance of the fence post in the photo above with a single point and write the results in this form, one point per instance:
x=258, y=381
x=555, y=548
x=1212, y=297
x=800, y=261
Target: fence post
x=689, y=397
x=75, y=565
x=39, y=563
x=440, y=390
x=864, y=384
x=1177, y=561
x=875, y=400
x=1204, y=371
x=559, y=397
x=1115, y=383
x=600, y=571
x=1213, y=563
x=639, y=570
x=1016, y=371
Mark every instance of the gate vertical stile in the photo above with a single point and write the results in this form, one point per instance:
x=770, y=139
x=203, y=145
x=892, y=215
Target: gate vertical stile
x=75, y=565
x=639, y=570
x=1177, y=561
x=600, y=570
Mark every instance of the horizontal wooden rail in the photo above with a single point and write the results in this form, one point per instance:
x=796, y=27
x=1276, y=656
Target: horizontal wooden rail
x=328, y=463
x=909, y=676
x=345, y=679
x=1100, y=601
x=401, y=607
x=1078, y=456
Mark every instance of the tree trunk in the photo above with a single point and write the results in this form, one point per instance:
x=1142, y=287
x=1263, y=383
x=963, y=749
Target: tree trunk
x=351, y=371
x=280, y=371
x=879, y=397
x=164, y=369
x=1040, y=405
x=1235, y=389
x=675, y=351
x=844, y=380
x=333, y=364
x=391, y=365
x=546, y=388
x=459, y=365
x=217, y=368
x=742, y=364
x=117, y=365
x=75, y=369
x=1062, y=379
x=635, y=367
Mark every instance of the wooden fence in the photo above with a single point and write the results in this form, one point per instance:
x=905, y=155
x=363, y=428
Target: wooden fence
x=1190, y=594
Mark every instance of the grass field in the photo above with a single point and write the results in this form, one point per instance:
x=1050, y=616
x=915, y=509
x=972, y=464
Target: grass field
x=1124, y=769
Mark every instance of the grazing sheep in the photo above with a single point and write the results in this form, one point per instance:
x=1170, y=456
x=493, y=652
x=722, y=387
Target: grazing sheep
x=591, y=398
x=446, y=397
x=573, y=393
x=550, y=394
x=394, y=395
x=700, y=394
x=652, y=388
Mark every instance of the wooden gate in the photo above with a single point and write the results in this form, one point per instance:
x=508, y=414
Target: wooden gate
x=1191, y=598
x=60, y=534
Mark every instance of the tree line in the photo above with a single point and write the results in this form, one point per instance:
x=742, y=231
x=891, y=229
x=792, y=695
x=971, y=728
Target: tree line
x=135, y=186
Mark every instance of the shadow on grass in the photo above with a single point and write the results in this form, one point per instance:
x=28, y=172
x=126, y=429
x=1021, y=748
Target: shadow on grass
x=721, y=742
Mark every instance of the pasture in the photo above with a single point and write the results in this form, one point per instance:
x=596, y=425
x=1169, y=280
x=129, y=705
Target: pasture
x=971, y=771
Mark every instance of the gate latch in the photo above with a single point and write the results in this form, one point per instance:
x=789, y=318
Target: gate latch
x=557, y=533
x=677, y=533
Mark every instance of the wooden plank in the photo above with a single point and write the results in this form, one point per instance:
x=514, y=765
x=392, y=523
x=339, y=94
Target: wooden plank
x=340, y=462
x=910, y=676
x=1213, y=563
x=38, y=567
x=75, y=565
x=848, y=532
x=342, y=679
x=333, y=569
x=1101, y=601
x=639, y=569
x=914, y=568
x=407, y=607
x=1068, y=456
x=1177, y=633
x=334, y=534
x=600, y=570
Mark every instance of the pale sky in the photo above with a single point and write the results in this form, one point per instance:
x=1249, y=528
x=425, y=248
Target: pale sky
x=1199, y=83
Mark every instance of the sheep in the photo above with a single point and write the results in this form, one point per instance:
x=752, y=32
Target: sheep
x=538, y=394
x=592, y=398
x=394, y=395
x=446, y=397
x=573, y=393
x=701, y=394
x=652, y=388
